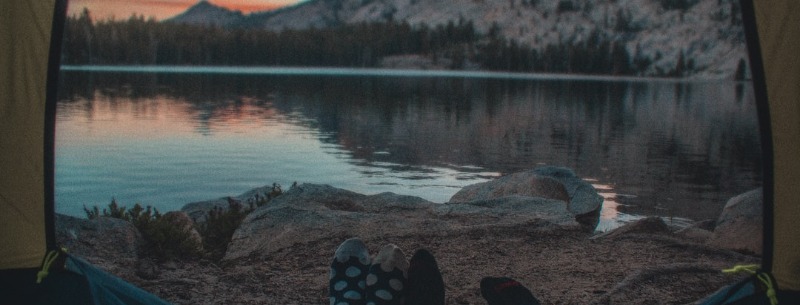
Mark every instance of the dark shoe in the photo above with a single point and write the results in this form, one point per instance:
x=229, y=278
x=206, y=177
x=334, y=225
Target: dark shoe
x=506, y=291
x=425, y=284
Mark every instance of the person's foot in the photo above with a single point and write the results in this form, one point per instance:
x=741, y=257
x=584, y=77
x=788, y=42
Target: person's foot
x=348, y=273
x=425, y=285
x=386, y=279
x=506, y=291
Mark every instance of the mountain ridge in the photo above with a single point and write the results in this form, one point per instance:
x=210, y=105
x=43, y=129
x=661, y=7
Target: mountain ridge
x=706, y=36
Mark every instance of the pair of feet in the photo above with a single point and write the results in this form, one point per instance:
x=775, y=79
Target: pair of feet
x=390, y=279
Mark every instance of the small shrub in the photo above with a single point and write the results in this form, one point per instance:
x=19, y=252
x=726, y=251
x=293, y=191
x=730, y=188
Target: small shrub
x=219, y=227
x=163, y=239
x=114, y=210
x=166, y=239
x=142, y=217
x=92, y=213
x=220, y=224
x=258, y=200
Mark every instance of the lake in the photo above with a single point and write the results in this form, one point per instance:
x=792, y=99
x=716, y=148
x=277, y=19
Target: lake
x=164, y=138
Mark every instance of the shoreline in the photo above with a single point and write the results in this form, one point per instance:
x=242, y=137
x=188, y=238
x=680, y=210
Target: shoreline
x=558, y=267
x=533, y=226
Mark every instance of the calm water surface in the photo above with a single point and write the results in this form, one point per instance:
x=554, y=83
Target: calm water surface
x=670, y=149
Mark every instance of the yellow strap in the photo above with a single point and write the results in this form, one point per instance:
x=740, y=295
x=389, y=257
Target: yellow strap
x=752, y=269
x=771, y=294
x=762, y=276
x=48, y=261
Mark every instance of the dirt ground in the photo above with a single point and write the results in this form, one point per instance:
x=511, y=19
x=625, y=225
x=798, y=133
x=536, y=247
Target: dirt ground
x=558, y=267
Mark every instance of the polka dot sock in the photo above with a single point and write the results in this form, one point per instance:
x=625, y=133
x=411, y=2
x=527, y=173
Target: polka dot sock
x=386, y=279
x=348, y=273
x=506, y=291
x=425, y=284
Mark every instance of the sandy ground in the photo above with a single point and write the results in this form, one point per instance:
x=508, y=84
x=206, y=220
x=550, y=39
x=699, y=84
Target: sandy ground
x=558, y=267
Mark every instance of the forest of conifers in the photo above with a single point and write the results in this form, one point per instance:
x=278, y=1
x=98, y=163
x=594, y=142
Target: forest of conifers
x=455, y=45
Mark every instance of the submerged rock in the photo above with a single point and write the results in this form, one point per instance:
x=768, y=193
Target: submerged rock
x=550, y=182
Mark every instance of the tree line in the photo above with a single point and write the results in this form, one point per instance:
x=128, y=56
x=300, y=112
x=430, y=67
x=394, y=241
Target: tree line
x=455, y=45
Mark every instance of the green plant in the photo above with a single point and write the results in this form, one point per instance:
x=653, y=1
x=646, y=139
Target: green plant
x=167, y=238
x=220, y=223
x=164, y=238
x=114, y=210
x=92, y=213
x=170, y=237
x=219, y=227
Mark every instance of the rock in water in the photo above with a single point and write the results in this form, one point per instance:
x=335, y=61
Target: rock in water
x=550, y=182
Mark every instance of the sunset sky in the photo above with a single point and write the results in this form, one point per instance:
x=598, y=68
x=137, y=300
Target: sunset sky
x=162, y=9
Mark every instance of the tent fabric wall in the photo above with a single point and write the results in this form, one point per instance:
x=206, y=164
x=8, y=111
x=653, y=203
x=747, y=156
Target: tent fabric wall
x=778, y=25
x=25, y=32
x=25, y=37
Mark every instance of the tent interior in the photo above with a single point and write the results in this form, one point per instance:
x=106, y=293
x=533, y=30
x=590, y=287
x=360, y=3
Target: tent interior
x=30, y=48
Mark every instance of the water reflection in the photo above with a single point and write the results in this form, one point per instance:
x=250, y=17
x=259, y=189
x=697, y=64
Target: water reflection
x=652, y=148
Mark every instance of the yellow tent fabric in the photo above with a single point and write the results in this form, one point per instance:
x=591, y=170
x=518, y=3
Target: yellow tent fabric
x=778, y=24
x=25, y=28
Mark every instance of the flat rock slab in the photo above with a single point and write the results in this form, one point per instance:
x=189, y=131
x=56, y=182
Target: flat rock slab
x=312, y=212
x=110, y=243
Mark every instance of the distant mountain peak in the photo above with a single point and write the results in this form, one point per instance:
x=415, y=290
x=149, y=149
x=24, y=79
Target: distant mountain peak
x=207, y=13
x=205, y=6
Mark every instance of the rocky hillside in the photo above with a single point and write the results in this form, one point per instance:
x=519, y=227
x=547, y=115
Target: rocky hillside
x=704, y=36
